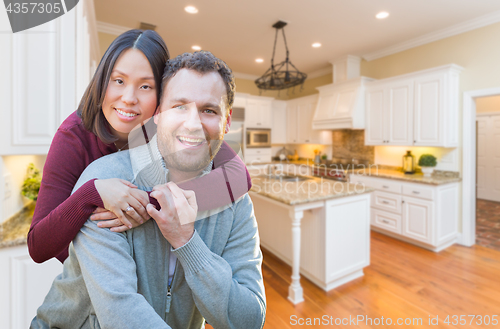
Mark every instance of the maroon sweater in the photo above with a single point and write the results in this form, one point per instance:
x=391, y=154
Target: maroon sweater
x=59, y=215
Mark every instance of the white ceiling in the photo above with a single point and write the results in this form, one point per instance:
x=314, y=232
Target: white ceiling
x=239, y=31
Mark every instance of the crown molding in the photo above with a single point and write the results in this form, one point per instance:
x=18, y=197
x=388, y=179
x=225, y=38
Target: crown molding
x=320, y=72
x=245, y=76
x=111, y=28
x=463, y=27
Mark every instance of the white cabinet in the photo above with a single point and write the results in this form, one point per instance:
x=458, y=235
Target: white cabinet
x=258, y=155
x=417, y=219
x=279, y=126
x=300, y=112
x=418, y=109
x=258, y=112
x=24, y=285
x=389, y=110
x=425, y=215
x=43, y=71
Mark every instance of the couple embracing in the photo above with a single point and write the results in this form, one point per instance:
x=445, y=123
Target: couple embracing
x=158, y=231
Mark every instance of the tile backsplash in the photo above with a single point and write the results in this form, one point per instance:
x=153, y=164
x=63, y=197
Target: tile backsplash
x=350, y=144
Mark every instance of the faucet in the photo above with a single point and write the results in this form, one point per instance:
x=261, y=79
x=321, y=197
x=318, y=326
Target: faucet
x=271, y=170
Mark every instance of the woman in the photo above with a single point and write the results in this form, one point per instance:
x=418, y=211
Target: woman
x=124, y=92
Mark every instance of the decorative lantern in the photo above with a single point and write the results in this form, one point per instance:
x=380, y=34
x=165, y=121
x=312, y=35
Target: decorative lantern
x=408, y=163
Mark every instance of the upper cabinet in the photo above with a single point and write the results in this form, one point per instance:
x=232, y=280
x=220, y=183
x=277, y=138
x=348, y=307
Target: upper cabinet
x=44, y=73
x=279, y=129
x=300, y=112
x=419, y=109
x=258, y=112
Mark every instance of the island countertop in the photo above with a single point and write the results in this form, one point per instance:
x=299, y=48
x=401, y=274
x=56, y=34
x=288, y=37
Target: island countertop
x=14, y=230
x=309, y=190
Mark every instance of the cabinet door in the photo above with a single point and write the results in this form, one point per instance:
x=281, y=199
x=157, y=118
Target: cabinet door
x=252, y=114
x=24, y=285
x=418, y=219
x=292, y=127
x=265, y=109
x=428, y=110
x=375, y=133
x=304, y=122
x=279, y=124
x=399, y=113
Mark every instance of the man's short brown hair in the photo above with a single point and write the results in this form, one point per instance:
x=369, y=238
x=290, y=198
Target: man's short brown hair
x=201, y=62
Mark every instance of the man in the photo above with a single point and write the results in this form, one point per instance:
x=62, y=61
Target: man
x=126, y=280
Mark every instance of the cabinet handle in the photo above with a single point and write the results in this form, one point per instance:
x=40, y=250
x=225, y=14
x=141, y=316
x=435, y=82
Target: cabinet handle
x=414, y=141
x=307, y=140
x=385, y=221
x=416, y=192
x=385, y=186
x=385, y=202
x=402, y=201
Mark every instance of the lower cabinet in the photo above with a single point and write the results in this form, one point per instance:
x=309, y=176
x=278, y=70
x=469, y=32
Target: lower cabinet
x=417, y=219
x=23, y=285
x=257, y=155
x=425, y=215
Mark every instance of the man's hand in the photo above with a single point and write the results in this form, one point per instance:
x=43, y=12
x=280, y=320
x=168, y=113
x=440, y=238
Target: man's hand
x=177, y=215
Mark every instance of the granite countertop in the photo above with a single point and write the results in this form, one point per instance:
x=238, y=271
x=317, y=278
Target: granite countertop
x=310, y=190
x=14, y=230
x=437, y=178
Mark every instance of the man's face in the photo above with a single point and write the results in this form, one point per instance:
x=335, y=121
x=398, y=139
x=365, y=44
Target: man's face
x=192, y=120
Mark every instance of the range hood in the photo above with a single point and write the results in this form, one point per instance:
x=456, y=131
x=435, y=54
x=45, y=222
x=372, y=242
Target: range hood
x=341, y=105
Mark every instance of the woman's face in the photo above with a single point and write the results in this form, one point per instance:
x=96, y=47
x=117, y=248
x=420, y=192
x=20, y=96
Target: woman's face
x=131, y=94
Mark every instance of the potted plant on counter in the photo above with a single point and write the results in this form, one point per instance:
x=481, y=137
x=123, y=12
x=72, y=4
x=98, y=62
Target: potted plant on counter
x=427, y=162
x=31, y=184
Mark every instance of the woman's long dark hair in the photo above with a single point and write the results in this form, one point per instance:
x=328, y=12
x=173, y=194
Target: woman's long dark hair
x=151, y=45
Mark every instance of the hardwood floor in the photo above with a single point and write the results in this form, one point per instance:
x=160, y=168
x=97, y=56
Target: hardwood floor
x=403, y=281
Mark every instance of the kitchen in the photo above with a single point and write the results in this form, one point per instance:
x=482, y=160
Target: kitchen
x=291, y=119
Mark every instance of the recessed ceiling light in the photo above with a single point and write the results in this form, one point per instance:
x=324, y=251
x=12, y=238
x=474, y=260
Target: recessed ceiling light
x=316, y=45
x=191, y=9
x=259, y=60
x=382, y=15
x=196, y=47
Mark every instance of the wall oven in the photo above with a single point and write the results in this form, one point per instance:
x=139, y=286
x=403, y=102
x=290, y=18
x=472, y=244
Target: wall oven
x=258, y=138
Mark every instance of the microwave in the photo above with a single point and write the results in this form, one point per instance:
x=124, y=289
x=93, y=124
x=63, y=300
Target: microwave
x=258, y=138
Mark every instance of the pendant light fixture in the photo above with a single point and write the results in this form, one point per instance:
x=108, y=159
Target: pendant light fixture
x=283, y=75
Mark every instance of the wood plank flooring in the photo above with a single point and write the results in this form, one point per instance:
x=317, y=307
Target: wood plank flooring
x=403, y=282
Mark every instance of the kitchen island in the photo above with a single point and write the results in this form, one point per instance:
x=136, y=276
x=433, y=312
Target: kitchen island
x=320, y=227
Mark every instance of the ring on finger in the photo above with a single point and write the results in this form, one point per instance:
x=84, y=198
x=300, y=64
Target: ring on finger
x=129, y=208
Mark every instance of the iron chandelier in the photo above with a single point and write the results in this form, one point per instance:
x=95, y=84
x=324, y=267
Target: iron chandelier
x=283, y=75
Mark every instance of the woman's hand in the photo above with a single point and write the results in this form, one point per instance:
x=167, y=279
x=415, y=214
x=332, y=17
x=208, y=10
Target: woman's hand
x=117, y=195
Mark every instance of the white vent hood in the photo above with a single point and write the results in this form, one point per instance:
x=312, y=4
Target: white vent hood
x=341, y=105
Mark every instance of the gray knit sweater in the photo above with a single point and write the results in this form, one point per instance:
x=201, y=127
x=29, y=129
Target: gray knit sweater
x=120, y=280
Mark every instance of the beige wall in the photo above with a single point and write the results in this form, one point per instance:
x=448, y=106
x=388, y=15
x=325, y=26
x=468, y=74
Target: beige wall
x=104, y=41
x=488, y=104
x=478, y=51
x=249, y=87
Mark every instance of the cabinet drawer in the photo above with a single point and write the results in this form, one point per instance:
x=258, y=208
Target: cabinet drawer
x=386, y=220
x=258, y=151
x=387, y=201
x=378, y=183
x=418, y=191
x=257, y=158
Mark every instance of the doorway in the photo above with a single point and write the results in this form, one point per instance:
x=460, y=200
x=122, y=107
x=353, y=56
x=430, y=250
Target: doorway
x=488, y=171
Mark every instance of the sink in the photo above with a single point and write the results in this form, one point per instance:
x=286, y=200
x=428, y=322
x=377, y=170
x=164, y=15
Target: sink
x=288, y=178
